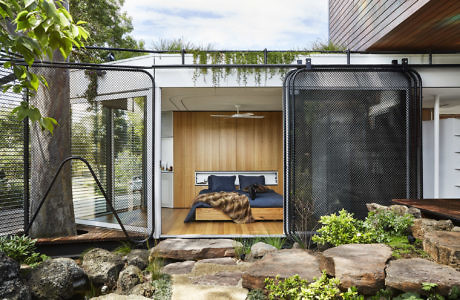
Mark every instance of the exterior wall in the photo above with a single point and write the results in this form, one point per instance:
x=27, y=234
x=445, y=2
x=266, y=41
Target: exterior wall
x=357, y=24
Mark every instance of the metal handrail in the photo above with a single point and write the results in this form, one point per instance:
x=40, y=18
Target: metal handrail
x=109, y=204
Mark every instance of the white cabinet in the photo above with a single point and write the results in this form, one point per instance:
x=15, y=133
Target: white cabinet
x=167, y=177
x=167, y=189
x=449, y=158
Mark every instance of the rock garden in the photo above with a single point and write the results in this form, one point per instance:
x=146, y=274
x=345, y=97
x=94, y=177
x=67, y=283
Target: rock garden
x=392, y=254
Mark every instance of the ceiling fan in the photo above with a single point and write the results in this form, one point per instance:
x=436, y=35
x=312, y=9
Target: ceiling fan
x=239, y=115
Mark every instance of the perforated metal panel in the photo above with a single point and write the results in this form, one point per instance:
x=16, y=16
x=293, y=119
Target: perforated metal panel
x=353, y=137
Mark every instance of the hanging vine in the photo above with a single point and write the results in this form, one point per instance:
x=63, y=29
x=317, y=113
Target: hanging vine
x=242, y=58
x=91, y=91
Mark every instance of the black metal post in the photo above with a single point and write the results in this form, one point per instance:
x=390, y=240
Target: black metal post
x=183, y=56
x=265, y=56
x=26, y=165
x=348, y=56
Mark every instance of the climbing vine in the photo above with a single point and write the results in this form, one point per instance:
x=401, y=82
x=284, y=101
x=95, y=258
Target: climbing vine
x=242, y=58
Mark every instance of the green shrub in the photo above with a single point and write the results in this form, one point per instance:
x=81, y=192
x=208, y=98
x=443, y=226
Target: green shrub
x=296, y=288
x=342, y=229
x=22, y=249
x=403, y=249
x=256, y=295
x=154, y=267
x=277, y=242
x=123, y=249
x=387, y=223
x=163, y=287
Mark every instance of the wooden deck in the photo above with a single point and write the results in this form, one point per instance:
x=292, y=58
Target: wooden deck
x=173, y=224
x=444, y=208
x=91, y=234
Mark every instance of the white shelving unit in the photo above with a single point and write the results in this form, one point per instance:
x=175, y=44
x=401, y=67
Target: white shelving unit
x=167, y=158
x=449, y=158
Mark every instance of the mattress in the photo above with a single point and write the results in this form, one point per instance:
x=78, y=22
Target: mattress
x=267, y=199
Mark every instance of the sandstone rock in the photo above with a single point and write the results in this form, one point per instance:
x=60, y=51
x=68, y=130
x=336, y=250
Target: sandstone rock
x=192, y=249
x=284, y=263
x=219, y=279
x=138, y=258
x=398, y=209
x=120, y=297
x=360, y=265
x=423, y=225
x=456, y=229
x=144, y=289
x=260, y=249
x=58, y=278
x=408, y=275
x=184, y=267
x=200, y=292
x=443, y=247
x=218, y=261
x=128, y=279
x=102, y=266
x=11, y=287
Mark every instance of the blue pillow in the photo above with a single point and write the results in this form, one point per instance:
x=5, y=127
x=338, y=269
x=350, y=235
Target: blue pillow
x=221, y=183
x=246, y=181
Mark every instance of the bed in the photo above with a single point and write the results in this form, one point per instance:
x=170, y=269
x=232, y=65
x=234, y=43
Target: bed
x=266, y=206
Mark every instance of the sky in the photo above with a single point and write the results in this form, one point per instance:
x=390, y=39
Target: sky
x=231, y=24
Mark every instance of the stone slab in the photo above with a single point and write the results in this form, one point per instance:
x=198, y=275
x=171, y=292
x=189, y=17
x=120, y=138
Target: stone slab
x=359, y=265
x=408, y=275
x=193, y=249
x=284, y=263
x=443, y=247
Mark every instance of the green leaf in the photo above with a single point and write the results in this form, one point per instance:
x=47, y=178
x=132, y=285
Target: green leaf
x=34, y=114
x=34, y=82
x=48, y=124
x=50, y=8
x=28, y=3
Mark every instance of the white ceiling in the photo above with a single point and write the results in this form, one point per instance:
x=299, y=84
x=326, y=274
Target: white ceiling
x=221, y=99
x=270, y=99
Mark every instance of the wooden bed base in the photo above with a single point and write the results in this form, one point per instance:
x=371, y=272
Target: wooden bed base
x=259, y=214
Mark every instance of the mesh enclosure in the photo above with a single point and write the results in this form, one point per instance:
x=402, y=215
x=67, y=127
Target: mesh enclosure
x=353, y=138
x=102, y=116
x=11, y=161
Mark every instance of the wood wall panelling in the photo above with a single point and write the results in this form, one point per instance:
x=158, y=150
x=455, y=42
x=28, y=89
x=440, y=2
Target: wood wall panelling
x=215, y=144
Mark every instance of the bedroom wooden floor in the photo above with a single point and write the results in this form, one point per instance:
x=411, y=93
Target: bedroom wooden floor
x=173, y=224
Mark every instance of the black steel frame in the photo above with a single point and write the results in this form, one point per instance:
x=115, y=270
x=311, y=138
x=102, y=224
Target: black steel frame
x=297, y=67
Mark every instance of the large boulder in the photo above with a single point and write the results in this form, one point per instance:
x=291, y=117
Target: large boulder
x=11, y=286
x=145, y=289
x=260, y=249
x=183, y=267
x=408, y=275
x=138, y=258
x=398, y=209
x=219, y=279
x=102, y=266
x=443, y=247
x=120, y=297
x=283, y=263
x=128, y=279
x=359, y=265
x=193, y=249
x=423, y=225
x=58, y=278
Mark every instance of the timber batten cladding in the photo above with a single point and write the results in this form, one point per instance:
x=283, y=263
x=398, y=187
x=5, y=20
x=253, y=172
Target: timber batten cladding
x=395, y=25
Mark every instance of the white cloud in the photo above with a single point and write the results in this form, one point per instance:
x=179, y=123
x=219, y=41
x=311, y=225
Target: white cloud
x=231, y=24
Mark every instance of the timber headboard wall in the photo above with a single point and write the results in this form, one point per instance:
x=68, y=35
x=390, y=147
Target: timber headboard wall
x=203, y=143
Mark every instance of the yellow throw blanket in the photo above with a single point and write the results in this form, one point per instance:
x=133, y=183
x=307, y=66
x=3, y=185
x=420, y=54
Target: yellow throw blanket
x=233, y=204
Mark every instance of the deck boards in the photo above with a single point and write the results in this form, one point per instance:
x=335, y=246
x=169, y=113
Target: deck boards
x=449, y=208
x=173, y=224
x=95, y=234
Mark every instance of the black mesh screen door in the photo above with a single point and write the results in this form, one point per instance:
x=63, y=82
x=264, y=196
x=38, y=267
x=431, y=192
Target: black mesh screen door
x=352, y=136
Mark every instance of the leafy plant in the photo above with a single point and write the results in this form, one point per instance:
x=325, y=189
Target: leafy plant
x=289, y=288
x=124, y=248
x=408, y=296
x=342, y=229
x=246, y=248
x=40, y=28
x=22, y=249
x=154, y=267
x=256, y=295
x=386, y=223
x=383, y=294
x=277, y=242
x=163, y=289
x=296, y=288
x=403, y=249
